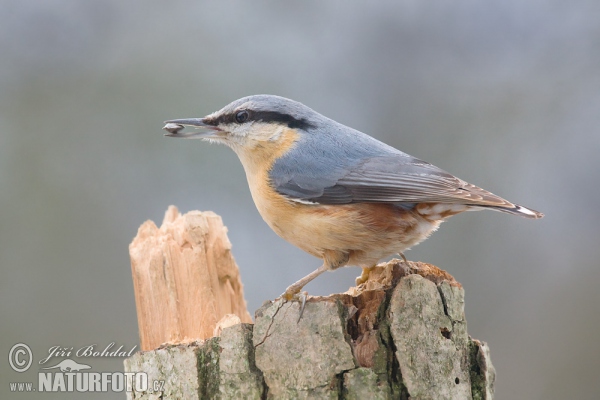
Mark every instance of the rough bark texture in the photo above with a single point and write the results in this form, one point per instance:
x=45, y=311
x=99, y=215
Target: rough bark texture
x=185, y=278
x=401, y=335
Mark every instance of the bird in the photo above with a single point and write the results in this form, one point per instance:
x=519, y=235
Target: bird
x=333, y=191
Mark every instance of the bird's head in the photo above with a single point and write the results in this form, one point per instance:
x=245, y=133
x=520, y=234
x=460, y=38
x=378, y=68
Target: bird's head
x=248, y=123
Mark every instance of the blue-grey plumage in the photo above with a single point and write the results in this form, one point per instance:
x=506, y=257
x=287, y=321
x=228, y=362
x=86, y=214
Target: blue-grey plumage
x=333, y=191
x=335, y=164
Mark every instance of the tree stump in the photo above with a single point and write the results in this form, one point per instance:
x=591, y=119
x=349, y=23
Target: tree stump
x=400, y=335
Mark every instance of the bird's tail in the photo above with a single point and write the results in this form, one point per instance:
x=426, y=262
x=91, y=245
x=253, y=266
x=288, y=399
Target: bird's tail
x=515, y=210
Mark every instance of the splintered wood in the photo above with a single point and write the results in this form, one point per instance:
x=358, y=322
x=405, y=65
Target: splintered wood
x=185, y=278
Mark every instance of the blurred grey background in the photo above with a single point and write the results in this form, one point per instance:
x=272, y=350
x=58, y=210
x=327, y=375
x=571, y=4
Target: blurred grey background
x=504, y=94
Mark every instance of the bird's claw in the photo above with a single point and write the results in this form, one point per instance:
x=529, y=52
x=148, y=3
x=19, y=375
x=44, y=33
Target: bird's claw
x=300, y=297
x=303, y=295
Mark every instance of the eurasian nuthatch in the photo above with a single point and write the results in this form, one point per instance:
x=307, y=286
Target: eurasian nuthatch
x=333, y=191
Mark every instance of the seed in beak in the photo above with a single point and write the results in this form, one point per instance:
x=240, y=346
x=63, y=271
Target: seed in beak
x=173, y=128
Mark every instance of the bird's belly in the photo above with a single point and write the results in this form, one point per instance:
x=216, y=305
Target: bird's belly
x=366, y=232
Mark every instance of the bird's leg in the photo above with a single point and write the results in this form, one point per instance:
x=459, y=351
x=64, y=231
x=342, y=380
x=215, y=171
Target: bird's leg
x=331, y=260
x=366, y=271
x=403, y=257
x=295, y=288
x=293, y=291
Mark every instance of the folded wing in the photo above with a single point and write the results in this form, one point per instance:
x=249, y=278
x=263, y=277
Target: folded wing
x=390, y=178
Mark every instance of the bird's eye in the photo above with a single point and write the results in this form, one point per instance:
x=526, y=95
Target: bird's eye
x=242, y=116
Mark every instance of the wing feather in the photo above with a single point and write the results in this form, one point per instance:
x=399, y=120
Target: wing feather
x=393, y=178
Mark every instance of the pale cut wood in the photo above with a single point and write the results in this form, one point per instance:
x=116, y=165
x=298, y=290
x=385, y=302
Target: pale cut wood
x=185, y=278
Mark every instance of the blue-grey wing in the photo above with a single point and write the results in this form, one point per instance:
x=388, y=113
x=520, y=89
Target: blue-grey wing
x=326, y=171
x=391, y=179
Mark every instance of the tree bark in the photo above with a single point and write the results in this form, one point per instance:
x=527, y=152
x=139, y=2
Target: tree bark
x=400, y=335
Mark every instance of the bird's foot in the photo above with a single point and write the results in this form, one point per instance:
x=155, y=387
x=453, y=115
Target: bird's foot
x=290, y=293
x=364, y=276
x=295, y=295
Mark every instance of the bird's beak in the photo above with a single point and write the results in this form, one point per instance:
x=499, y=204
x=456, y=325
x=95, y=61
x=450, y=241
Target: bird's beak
x=175, y=127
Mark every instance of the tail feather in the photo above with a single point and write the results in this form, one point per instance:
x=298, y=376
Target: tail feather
x=515, y=210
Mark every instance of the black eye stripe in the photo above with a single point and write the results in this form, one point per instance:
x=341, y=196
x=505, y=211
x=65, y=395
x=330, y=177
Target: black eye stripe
x=263, y=116
x=276, y=117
